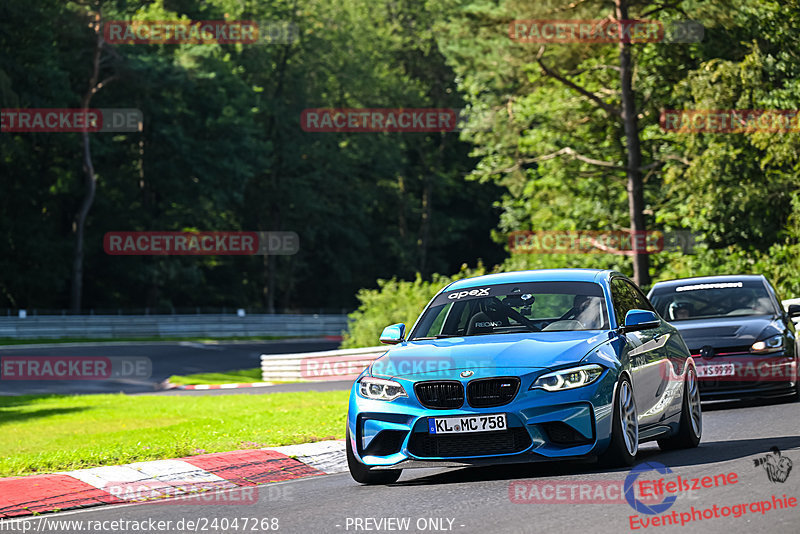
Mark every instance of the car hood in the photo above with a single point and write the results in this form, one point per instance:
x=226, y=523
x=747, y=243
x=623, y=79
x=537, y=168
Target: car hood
x=727, y=332
x=535, y=350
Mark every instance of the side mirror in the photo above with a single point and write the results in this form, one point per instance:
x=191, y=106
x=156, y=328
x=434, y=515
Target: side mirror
x=636, y=320
x=393, y=334
x=794, y=310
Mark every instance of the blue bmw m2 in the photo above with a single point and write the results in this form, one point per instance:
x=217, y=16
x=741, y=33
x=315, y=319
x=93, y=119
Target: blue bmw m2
x=524, y=367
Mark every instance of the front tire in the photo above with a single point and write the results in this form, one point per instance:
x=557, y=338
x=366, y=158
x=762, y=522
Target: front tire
x=363, y=474
x=690, y=428
x=624, y=444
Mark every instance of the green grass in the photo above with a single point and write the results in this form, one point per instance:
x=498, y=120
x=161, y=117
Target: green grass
x=53, y=433
x=14, y=341
x=228, y=377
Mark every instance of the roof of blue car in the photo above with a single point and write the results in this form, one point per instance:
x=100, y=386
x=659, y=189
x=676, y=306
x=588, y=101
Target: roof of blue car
x=541, y=275
x=709, y=280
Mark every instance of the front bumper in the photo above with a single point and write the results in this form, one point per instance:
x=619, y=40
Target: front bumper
x=542, y=426
x=754, y=376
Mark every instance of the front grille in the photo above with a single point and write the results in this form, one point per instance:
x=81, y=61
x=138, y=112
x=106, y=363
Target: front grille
x=440, y=395
x=721, y=386
x=737, y=350
x=488, y=392
x=475, y=444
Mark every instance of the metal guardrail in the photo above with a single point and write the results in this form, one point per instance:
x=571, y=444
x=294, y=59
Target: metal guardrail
x=163, y=310
x=343, y=364
x=132, y=326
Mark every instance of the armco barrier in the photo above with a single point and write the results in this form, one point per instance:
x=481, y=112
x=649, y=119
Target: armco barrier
x=344, y=364
x=132, y=326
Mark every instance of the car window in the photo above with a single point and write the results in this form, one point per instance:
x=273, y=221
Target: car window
x=438, y=320
x=705, y=299
x=776, y=300
x=624, y=298
x=514, y=308
x=641, y=301
x=463, y=318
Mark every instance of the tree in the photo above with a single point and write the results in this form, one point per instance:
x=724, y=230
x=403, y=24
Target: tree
x=95, y=84
x=556, y=123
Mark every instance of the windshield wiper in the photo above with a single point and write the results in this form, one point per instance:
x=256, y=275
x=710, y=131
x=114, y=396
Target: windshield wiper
x=438, y=336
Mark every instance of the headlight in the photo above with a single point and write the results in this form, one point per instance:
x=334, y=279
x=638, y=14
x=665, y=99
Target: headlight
x=380, y=389
x=568, y=378
x=771, y=344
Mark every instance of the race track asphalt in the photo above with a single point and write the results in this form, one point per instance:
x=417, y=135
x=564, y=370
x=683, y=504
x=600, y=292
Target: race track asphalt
x=482, y=500
x=167, y=359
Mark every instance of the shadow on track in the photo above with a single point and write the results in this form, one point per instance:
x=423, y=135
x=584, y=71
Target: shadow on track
x=721, y=451
x=706, y=453
x=712, y=406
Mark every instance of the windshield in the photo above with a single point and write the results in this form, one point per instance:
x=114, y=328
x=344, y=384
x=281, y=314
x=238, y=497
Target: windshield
x=721, y=299
x=513, y=308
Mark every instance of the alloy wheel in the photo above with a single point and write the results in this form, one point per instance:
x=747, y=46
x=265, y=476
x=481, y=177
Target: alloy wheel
x=695, y=412
x=629, y=418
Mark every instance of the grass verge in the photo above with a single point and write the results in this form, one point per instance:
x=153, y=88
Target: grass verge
x=228, y=377
x=55, y=432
